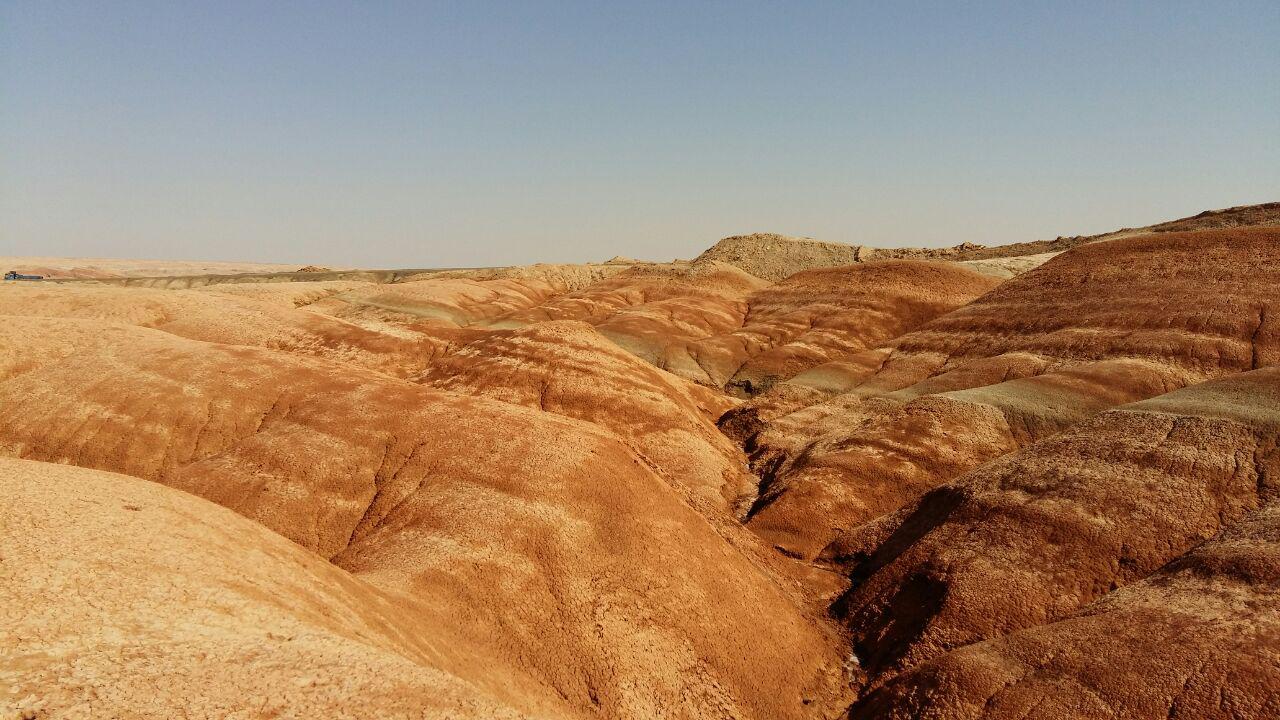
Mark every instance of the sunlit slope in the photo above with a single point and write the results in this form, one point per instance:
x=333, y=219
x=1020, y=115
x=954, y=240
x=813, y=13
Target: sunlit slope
x=266, y=315
x=544, y=543
x=123, y=598
x=568, y=368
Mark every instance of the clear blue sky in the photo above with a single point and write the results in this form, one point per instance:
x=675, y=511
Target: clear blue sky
x=471, y=133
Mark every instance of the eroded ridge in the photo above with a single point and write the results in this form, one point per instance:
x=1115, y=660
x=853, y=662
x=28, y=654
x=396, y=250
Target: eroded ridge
x=787, y=479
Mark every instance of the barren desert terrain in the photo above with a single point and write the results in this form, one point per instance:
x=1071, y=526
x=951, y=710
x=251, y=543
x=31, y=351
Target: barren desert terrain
x=784, y=479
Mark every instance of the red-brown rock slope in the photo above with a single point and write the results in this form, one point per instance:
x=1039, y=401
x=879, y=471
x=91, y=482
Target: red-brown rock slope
x=1098, y=326
x=1173, y=500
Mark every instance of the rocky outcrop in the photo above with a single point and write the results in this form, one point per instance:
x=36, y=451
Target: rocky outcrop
x=776, y=257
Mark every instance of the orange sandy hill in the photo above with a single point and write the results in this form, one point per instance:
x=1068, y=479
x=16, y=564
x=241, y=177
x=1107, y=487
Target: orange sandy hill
x=567, y=368
x=537, y=546
x=1263, y=215
x=1195, y=639
x=1031, y=481
x=124, y=598
x=460, y=298
x=820, y=315
x=268, y=315
x=706, y=322
x=645, y=308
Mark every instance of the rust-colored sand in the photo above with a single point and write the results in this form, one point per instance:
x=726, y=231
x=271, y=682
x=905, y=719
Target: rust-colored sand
x=789, y=479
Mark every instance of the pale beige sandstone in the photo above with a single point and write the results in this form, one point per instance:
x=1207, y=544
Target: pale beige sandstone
x=775, y=257
x=262, y=315
x=124, y=598
x=117, y=267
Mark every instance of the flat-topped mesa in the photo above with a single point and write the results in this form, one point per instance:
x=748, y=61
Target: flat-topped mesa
x=774, y=257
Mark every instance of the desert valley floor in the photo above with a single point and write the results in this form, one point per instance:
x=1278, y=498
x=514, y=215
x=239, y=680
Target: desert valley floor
x=787, y=479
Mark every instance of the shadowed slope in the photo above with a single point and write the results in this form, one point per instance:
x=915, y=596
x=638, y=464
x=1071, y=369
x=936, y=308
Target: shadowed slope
x=1031, y=538
x=1196, y=640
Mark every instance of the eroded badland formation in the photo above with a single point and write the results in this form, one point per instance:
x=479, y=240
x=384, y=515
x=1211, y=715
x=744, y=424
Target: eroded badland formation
x=788, y=479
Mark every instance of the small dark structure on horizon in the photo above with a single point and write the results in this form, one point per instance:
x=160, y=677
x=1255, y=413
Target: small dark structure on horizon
x=15, y=275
